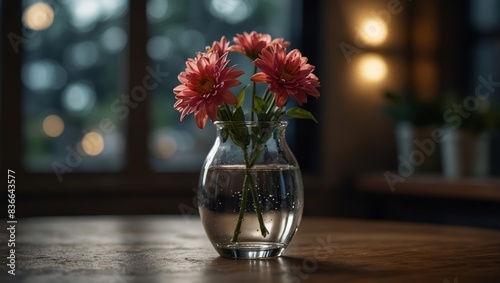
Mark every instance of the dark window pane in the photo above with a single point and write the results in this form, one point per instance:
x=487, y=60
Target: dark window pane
x=485, y=58
x=485, y=15
x=72, y=77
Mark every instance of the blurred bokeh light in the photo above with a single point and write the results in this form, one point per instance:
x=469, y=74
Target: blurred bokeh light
x=53, y=126
x=38, y=16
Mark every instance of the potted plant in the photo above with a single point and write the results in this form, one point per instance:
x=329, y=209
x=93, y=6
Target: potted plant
x=468, y=123
x=413, y=117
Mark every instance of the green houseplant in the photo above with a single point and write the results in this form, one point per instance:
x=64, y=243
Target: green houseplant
x=413, y=117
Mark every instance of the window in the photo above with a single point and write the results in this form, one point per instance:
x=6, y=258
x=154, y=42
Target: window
x=66, y=120
x=71, y=77
x=73, y=80
x=485, y=26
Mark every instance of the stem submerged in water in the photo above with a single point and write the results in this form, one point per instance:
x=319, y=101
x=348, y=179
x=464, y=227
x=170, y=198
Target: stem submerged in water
x=249, y=184
x=243, y=206
x=258, y=210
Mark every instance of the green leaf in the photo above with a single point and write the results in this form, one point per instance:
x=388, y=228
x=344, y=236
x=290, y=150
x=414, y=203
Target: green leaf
x=239, y=135
x=238, y=115
x=222, y=114
x=225, y=134
x=299, y=113
x=238, y=131
x=260, y=109
x=241, y=96
x=260, y=105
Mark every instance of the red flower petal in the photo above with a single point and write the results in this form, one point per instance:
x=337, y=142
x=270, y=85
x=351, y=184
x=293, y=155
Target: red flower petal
x=205, y=85
x=287, y=74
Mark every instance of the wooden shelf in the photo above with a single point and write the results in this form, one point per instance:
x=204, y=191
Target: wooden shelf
x=485, y=189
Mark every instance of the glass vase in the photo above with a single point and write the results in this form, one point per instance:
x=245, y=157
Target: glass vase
x=250, y=193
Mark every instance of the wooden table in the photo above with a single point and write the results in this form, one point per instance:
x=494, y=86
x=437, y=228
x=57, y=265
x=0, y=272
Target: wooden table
x=173, y=249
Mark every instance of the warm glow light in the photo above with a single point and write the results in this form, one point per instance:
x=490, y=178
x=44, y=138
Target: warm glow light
x=373, y=32
x=373, y=68
x=92, y=143
x=166, y=146
x=38, y=16
x=53, y=126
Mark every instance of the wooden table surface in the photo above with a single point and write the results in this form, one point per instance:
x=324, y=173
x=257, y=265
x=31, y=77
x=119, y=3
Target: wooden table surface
x=173, y=249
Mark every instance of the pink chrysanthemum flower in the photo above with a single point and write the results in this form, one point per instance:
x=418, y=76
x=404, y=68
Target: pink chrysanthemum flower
x=251, y=44
x=287, y=74
x=221, y=47
x=204, y=86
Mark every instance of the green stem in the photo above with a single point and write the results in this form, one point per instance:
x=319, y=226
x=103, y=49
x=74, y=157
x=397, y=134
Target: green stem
x=248, y=182
x=229, y=112
x=272, y=106
x=267, y=95
x=237, y=229
x=254, y=93
x=258, y=210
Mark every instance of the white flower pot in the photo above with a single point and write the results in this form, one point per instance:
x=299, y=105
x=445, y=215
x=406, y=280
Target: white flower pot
x=404, y=139
x=465, y=154
x=451, y=154
x=481, y=158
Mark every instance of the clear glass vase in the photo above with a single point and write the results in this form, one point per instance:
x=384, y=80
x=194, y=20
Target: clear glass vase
x=250, y=193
